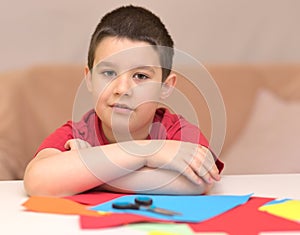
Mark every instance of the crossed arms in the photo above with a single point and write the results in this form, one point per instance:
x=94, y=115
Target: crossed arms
x=175, y=167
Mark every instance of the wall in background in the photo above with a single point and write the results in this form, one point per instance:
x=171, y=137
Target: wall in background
x=231, y=31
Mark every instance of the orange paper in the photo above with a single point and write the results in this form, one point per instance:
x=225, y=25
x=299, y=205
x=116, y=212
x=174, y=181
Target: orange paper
x=58, y=206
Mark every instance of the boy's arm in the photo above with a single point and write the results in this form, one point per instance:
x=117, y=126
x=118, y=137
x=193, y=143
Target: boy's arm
x=57, y=173
x=158, y=181
x=162, y=181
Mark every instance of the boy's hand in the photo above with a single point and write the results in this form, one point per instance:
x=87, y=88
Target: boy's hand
x=74, y=144
x=194, y=161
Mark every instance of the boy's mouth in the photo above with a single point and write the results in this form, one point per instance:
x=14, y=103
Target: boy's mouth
x=122, y=106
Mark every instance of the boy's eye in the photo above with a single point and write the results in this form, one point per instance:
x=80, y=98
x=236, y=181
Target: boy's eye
x=140, y=76
x=109, y=73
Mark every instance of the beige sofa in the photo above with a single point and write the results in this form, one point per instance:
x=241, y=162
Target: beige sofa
x=262, y=104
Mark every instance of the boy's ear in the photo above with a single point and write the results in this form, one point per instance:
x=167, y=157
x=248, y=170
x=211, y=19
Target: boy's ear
x=88, y=78
x=168, y=86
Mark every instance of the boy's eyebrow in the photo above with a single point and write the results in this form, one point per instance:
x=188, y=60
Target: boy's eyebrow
x=112, y=64
x=105, y=63
x=145, y=67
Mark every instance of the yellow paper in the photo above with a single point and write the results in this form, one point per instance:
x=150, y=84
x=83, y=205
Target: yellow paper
x=162, y=233
x=201, y=233
x=169, y=229
x=289, y=209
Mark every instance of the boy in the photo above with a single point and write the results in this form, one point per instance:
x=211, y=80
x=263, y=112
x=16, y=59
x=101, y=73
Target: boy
x=126, y=143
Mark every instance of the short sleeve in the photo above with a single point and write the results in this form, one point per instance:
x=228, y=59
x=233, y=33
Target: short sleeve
x=58, y=138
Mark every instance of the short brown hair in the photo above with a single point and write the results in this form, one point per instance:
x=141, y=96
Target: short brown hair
x=135, y=23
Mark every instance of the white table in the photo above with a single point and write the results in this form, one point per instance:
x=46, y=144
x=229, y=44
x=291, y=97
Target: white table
x=14, y=220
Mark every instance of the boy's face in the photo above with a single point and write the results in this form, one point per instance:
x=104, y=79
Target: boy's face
x=126, y=85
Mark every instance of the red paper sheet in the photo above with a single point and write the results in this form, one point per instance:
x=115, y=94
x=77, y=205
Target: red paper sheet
x=245, y=219
x=114, y=219
x=94, y=198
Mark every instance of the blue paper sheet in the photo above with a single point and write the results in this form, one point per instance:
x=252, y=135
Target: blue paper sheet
x=193, y=208
x=276, y=201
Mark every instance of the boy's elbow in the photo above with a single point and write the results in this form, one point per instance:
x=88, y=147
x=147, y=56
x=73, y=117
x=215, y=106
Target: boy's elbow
x=30, y=183
x=29, y=188
x=35, y=184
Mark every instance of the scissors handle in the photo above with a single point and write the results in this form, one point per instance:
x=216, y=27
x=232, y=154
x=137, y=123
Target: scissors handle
x=143, y=201
x=125, y=205
x=138, y=202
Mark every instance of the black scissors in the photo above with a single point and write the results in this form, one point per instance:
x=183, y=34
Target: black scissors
x=145, y=203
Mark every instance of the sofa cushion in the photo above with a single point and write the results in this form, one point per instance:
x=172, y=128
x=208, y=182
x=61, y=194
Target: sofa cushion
x=269, y=143
x=34, y=102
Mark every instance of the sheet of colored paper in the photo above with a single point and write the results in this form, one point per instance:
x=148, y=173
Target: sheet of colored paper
x=176, y=233
x=161, y=233
x=192, y=208
x=94, y=198
x=162, y=228
x=275, y=201
x=167, y=233
x=57, y=206
x=112, y=220
x=288, y=209
x=247, y=219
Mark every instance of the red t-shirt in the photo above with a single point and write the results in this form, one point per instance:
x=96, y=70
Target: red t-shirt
x=165, y=126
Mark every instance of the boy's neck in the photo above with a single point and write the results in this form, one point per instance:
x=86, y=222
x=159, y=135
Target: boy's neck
x=121, y=137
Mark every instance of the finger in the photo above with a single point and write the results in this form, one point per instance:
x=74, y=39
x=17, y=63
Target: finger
x=203, y=164
x=214, y=173
x=68, y=144
x=80, y=143
x=86, y=144
x=192, y=176
x=204, y=174
x=208, y=157
x=74, y=144
x=71, y=144
x=188, y=172
x=196, y=163
x=210, y=165
x=207, y=178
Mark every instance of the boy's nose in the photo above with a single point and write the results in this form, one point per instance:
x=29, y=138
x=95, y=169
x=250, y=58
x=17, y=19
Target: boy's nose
x=123, y=85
